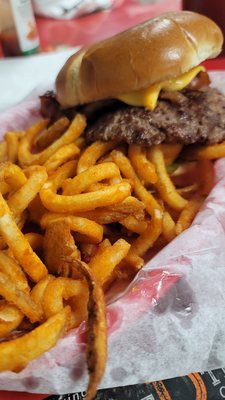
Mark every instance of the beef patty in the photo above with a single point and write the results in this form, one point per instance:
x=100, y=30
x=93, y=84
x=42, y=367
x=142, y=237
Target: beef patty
x=186, y=117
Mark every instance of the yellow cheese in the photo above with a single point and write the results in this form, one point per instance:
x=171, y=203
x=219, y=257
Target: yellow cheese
x=148, y=97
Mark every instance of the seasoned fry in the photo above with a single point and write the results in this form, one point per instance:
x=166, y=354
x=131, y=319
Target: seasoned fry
x=206, y=176
x=206, y=152
x=105, y=260
x=62, y=155
x=143, y=167
x=127, y=170
x=133, y=225
x=17, y=353
x=80, y=142
x=21, y=219
x=10, y=267
x=96, y=186
x=12, y=140
x=152, y=232
x=94, y=174
x=56, y=291
x=52, y=133
x=170, y=152
x=116, y=212
x=96, y=329
x=3, y=151
x=4, y=188
x=38, y=291
x=20, y=200
x=10, y=291
x=10, y=318
x=24, y=151
x=58, y=246
x=26, y=157
x=103, y=245
x=168, y=227
x=34, y=239
x=36, y=210
x=106, y=204
x=91, y=229
x=112, y=194
x=146, y=240
x=91, y=155
x=187, y=215
x=12, y=175
x=20, y=247
x=79, y=304
x=164, y=184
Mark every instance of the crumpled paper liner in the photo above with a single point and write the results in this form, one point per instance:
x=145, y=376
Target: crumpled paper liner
x=170, y=321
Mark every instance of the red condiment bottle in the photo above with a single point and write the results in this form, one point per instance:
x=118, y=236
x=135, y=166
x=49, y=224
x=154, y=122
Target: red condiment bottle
x=18, y=30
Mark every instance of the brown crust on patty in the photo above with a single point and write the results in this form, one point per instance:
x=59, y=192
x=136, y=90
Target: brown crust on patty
x=185, y=117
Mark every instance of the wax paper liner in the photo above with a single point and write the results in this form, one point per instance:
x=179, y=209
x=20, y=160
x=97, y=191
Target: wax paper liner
x=171, y=319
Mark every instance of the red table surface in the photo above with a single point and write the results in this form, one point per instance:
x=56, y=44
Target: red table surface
x=86, y=30
x=100, y=25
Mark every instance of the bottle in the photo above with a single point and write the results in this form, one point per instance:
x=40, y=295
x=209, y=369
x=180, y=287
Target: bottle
x=18, y=30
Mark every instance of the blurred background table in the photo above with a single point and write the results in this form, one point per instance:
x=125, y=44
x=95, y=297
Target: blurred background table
x=100, y=25
x=60, y=34
x=60, y=38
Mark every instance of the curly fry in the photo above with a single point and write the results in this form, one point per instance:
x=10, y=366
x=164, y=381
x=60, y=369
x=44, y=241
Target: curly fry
x=26, y=157
x=81, y=202
x=164, y=184
x=91, y=229
x=152, y=232
x=206, y=176
x=96, y=329
x=10, y=318
x=10, y=291
x=170, y=151
x=58, y=246
x=17, y=353
x=12, y=140
x=105, y=261
x=10, y=267
x=53, y=132
x=143, y=167
x=12, y=175
x=3, y=151
x=38, y=291
x=56, y=291
x=206, y=152
x=168, y=227
x=20, y=247
x=187, y=215
x=20, y=200
x=91, y=155
x=94, y=174
x=61, y=156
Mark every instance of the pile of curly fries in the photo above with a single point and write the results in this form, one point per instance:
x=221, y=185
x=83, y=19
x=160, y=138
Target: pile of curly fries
x=75, y=220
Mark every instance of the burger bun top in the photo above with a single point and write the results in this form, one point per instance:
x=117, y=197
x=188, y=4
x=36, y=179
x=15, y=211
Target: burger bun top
x=156, y=50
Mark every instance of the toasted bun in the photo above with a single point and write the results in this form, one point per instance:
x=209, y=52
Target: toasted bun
x=156, y=50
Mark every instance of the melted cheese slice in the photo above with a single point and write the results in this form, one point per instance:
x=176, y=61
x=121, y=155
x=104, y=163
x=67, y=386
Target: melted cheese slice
x=148, y=97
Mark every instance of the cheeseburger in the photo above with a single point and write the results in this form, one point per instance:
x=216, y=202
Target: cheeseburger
x=147, y=85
